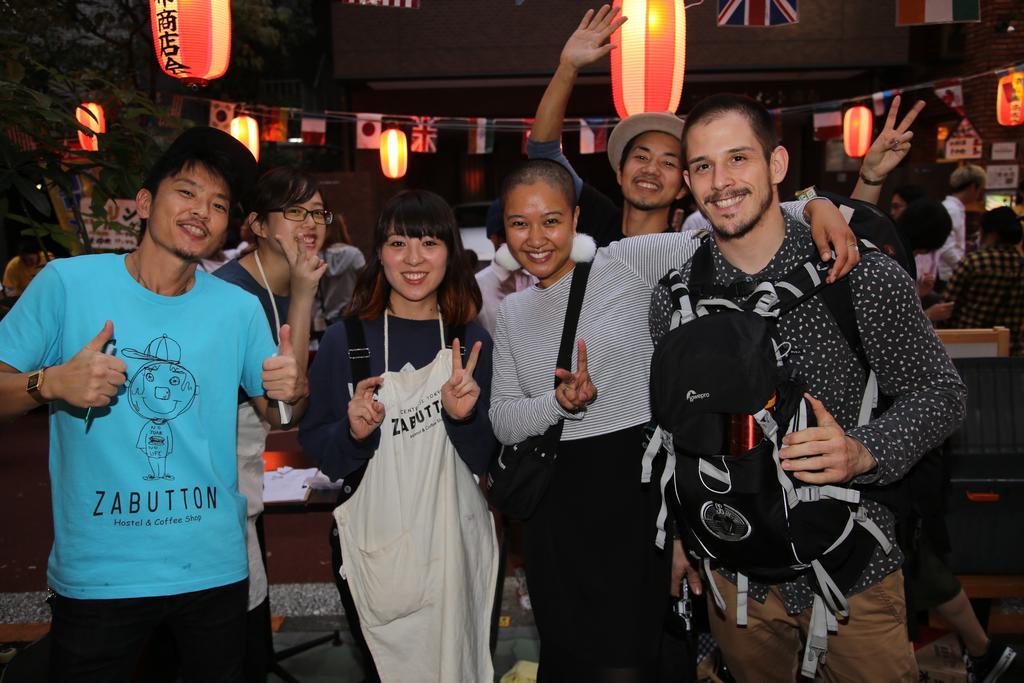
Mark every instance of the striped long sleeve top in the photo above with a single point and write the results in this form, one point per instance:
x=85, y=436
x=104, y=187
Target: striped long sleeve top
x=613, y=325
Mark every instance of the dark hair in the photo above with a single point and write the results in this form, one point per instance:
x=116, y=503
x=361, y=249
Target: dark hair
x=1004, y=223
x=29, y=245
x=536, y=170
x=925, y=224
x=629, y=148
x=757, y=115
x=419, y=214
x=910, y=193
x=180, y=158
x=279, y=188
x=337, y=231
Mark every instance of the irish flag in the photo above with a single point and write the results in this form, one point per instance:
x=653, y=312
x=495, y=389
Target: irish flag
x=911, y=12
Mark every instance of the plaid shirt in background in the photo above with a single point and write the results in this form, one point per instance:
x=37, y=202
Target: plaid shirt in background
x=988, y=288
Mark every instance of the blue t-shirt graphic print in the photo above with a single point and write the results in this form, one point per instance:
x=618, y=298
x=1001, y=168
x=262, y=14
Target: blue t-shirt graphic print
x=145, y=502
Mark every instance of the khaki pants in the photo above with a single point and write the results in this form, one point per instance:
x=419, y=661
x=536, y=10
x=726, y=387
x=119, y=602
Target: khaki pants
x=871, y=646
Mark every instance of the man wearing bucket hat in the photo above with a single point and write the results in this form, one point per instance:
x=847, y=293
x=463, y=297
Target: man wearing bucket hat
x=645, y=153
x=148, y=522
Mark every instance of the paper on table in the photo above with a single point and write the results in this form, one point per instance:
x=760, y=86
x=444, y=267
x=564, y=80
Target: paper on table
x=287, y=485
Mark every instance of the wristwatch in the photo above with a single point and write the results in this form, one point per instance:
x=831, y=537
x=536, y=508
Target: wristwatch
x=35, y=382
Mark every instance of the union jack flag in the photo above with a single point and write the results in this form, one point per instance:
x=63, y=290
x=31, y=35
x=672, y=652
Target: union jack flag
x=424, y=134
x=757, y=12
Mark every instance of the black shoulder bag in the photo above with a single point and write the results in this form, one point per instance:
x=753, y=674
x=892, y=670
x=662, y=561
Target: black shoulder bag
x=518, y=478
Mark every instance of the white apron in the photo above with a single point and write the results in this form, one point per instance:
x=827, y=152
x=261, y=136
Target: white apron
x=252, y=441
x=418, y=541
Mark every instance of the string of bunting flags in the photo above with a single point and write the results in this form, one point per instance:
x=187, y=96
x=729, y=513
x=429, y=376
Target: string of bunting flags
x=274, y=122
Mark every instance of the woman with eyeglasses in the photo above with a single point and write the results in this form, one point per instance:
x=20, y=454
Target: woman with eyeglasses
x=399, y=397
x=286, y=214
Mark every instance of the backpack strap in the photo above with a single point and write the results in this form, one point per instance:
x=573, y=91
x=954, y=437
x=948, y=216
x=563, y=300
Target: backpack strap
x=456, y=332
x=358, y=352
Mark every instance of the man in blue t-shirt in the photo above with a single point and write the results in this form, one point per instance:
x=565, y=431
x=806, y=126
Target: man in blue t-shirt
x=149, y=527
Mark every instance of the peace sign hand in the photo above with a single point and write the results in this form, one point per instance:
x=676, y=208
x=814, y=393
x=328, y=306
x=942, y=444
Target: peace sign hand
x=824, y=454
x=576, y=390
x=587, y=43
x=460, y=393
x=892, y=144
x=365, y=413
x=304, y=267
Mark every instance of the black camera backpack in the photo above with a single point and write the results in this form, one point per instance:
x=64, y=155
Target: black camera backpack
x=744, y=513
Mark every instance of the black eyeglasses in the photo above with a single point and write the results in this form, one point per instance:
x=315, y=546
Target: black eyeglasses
x=299, y=213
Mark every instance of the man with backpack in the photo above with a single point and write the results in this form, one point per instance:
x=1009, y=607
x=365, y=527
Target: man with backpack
x=833, y=581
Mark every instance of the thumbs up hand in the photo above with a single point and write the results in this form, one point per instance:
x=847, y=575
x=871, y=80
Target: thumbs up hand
x=282, y=380
x=824, y=454
x=91, y=378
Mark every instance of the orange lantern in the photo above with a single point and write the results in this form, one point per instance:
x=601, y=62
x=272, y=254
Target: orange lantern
x=650, y=56
x=857, y=128
x=1010, y=99
x=247, y=131
x=90, y=115
x=192, y=38
x=394, y=153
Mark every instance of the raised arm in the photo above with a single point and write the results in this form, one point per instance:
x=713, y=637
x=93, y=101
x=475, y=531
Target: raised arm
x=587, y=45
x=886, y=152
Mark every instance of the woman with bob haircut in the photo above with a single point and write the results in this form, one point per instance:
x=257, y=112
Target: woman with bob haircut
x=415, y=541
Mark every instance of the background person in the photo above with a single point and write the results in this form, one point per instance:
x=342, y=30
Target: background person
x=495, y=281
x=415, y=541
x=987, y=287
x=344, y=261
x=924, y=226
x=287, y=217
x=966, y=186
x=644, y=151
x=24, y=266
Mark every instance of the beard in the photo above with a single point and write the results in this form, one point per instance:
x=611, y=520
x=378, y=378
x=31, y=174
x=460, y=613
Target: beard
x=643, y=205
x=743, y=228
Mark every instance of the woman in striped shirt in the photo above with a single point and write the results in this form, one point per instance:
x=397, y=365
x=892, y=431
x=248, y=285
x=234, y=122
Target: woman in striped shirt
x=598, y=585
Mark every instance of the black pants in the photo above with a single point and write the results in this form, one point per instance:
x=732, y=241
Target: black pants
x=99, y=641
x=598, y=585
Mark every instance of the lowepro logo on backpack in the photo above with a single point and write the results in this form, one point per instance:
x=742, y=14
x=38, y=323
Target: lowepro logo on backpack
x=692, y=395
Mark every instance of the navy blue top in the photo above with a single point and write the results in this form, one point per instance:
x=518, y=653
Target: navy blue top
x=233, y=272
x=324, y=430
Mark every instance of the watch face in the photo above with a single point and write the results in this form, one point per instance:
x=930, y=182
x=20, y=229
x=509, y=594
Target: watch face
x=33, y=381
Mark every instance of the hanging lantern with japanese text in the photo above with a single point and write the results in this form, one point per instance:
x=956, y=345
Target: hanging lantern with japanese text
x=90, y=115
x=649, y=58
x=1010, y=99
x=247, y=131
x=192, y=38
x=394, y=153
x=858, y=123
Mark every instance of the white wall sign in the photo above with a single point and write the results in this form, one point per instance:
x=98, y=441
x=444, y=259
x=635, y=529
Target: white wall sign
x=1002, y=176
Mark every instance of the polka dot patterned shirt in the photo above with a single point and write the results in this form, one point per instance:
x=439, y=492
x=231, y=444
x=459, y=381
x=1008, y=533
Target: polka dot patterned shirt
x=909, y=360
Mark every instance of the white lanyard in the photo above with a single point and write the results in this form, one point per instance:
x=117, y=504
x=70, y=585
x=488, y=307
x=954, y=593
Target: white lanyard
x=283, y=408
x=440, y=326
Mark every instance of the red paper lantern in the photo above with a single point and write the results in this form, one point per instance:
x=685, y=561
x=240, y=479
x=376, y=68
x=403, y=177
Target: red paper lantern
x=192, y=38
x=247, y=131
x=90, y=115
x=394, y=153
x=1010, y=99
x=857, y=128
x=650, y=56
